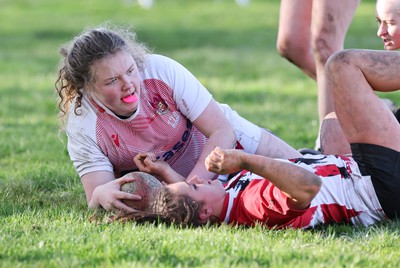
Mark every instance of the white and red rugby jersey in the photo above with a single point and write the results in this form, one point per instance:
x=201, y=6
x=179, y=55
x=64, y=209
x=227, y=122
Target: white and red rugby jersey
x=170, y=99
x=345, y=197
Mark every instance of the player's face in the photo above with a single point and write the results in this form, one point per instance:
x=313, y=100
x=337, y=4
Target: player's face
x=388, y=17
x=200, y=190
x=117, y=83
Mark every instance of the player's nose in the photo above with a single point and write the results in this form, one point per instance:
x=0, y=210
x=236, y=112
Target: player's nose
x=194, y=179
x=199, y=180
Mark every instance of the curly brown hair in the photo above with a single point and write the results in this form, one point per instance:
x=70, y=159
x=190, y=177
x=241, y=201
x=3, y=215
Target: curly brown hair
x=167, y=208
x=79, y=55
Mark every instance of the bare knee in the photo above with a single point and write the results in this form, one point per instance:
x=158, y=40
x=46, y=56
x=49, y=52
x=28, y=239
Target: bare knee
x=293, y=51
x=298, y=53
x=338, y=67
x=336, y=61
x=284, y=49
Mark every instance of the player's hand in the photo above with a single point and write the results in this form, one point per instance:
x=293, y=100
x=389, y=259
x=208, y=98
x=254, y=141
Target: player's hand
x=147, y=162
x=109, y=196
x=224, y=161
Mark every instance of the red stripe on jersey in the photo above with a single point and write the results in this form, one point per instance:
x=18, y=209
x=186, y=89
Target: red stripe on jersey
x=327, y=170
x=337, y=213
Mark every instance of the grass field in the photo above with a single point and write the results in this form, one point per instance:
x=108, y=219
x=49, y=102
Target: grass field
x=44, y=221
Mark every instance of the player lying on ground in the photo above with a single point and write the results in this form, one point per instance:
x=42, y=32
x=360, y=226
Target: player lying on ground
x=317, y=189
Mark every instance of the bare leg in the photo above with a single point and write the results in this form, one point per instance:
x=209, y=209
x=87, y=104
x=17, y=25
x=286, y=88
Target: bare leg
x=353, y=77
x=330, y=22
x=309, y=33
x=272, y=146
x=294, y=34
x=333, y=140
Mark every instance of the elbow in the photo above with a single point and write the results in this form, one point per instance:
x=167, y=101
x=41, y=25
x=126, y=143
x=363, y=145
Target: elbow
x=313, y=191
x=305, y=196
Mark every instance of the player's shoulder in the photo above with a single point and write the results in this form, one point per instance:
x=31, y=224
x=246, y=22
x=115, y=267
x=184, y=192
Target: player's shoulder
x=81, y=118
x=160, y=62
x=156, y=59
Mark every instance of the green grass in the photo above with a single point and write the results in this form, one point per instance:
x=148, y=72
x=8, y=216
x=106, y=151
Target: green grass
x=43, y=217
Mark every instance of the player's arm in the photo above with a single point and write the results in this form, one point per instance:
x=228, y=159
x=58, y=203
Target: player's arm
x=192, y=97
x=300, y=185
x=146, y=162
x=103, y=190
x=216, y=127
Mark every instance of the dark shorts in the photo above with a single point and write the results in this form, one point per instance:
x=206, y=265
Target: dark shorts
x=383, y=165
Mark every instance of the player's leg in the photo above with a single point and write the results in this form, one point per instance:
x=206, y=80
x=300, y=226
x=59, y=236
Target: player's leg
x=294, y=34
x=272, y=146
x=353, y=75
x=332, y=138
x=330, y=22
x=256, y=140
x=366, y=121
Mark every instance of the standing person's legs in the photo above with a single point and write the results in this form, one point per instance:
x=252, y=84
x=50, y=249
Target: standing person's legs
x=367, y=123
x=330, y=22
x=294, y=34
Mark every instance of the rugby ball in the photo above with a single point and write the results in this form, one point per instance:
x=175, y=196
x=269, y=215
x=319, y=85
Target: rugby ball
x=145, y=185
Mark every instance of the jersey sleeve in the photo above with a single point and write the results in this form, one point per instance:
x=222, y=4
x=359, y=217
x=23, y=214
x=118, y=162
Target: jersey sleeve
x=263, y=202
x=83, y=150
x=190, y=95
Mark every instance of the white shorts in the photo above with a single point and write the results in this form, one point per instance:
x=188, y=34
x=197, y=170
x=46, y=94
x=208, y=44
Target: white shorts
x=248, y=135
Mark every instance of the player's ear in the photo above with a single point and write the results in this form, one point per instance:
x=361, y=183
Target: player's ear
x=205, y=213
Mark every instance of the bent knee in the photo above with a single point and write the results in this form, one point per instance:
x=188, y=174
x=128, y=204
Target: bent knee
x=337, y=60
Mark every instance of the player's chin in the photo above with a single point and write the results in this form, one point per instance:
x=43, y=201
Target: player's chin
x=133, y=107
x=218, y=184
x=390, y=46
x=128, y=111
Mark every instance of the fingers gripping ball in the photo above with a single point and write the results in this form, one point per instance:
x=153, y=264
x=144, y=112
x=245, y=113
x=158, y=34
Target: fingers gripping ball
x=145, y=185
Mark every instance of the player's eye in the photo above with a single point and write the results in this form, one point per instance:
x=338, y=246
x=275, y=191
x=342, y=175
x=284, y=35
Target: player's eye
x=195, y=186
x=111, y=80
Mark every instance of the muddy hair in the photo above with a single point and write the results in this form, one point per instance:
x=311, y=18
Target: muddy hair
x=78, y=56
x=169, y=209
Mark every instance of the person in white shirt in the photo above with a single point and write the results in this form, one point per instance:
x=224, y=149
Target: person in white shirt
x=118, y=100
